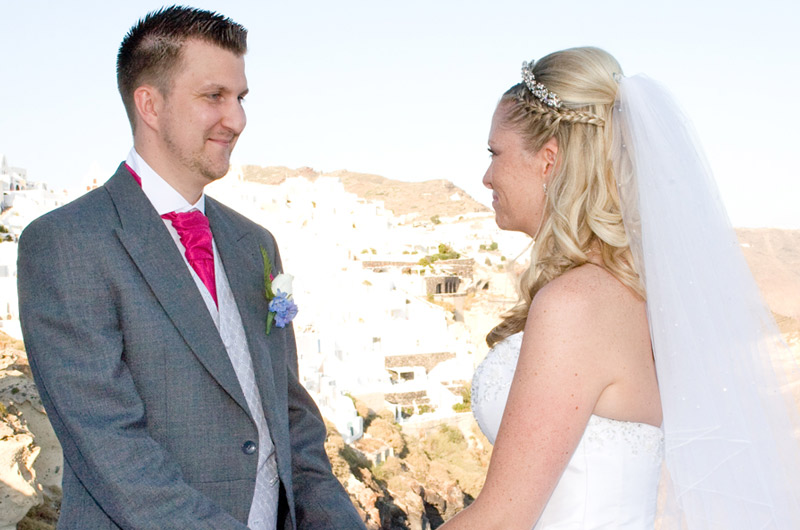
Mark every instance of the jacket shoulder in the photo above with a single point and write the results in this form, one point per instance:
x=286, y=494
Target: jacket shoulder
x=87, y=214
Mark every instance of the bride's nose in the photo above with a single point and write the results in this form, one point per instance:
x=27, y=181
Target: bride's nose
x=487, y=178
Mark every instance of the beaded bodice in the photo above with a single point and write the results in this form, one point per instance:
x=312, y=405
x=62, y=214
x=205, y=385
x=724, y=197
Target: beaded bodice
x=612, y=478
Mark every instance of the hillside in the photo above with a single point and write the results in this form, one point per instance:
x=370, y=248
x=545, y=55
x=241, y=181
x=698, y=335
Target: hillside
x=774, y=259
x=772, y=254
x=429, y=198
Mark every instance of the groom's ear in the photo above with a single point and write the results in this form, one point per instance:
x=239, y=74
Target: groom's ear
x=148, y=101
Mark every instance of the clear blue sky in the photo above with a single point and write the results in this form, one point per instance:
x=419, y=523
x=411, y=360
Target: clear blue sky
x=407, y=89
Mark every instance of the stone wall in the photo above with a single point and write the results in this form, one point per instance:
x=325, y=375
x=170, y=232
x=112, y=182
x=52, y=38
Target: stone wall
x=407, y=398
x=426, y=360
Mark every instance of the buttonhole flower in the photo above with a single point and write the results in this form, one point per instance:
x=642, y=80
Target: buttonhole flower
x=278, y=292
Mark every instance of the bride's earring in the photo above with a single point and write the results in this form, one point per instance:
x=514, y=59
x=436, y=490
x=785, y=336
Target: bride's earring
x=544, y=186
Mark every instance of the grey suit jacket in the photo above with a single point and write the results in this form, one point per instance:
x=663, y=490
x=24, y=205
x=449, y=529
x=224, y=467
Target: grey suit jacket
x=137, y=382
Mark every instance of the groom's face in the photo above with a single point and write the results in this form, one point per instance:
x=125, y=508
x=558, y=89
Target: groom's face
x=202, y=115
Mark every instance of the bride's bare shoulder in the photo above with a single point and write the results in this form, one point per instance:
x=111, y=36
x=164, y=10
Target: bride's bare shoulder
x=590, y=295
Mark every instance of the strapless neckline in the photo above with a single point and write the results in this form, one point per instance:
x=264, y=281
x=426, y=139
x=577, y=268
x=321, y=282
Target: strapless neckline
x=597, y=419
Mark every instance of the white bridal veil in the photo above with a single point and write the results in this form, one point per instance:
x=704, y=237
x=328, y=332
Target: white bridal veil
x=732, y=427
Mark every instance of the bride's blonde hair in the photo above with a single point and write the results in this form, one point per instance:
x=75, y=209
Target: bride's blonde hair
x=582, y=209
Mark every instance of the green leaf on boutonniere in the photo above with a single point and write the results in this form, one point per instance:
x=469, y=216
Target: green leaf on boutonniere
x=268, y=294
x=270, y=320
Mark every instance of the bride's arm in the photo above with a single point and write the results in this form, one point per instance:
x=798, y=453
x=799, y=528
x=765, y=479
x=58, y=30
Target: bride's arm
x=562, y=370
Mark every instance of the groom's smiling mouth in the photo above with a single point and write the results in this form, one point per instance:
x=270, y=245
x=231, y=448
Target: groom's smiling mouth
x=225, y=142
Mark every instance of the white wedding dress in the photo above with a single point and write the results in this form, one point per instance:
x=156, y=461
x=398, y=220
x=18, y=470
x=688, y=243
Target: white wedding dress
x=611, y=480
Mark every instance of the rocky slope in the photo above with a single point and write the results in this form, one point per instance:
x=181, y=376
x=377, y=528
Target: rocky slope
x=429, y=479
x=30, y=456
x=774, y=259
x=426, y=199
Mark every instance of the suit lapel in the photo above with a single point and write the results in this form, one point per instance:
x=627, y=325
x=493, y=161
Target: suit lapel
x=152, y=249
x=241, y=258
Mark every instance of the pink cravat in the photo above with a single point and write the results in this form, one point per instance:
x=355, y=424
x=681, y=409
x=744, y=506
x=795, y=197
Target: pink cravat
x=195, y=234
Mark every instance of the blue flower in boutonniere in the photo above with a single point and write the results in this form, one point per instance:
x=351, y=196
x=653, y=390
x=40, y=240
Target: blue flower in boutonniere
x=278, y=292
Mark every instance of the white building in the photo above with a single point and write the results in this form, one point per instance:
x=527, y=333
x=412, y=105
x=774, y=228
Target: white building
x=23, y=200
x=11, y=178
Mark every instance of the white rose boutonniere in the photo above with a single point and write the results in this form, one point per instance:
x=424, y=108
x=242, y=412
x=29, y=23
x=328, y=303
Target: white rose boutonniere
x=283, y=283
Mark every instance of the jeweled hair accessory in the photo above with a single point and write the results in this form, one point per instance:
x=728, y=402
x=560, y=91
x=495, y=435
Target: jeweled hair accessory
x=537, y=89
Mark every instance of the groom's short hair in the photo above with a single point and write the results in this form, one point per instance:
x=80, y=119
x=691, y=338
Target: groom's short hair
x=151, y=50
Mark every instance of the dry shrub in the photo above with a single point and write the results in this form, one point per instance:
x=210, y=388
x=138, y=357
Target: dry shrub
x=7, y=341
x=448, y=451
x=388, y=432
x=392, y=467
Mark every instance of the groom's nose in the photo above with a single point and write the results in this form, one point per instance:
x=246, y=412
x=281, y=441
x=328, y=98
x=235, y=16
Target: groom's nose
x=234, y=118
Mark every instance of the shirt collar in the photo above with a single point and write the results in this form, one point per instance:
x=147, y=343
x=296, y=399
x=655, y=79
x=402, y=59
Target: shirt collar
x=164, y=197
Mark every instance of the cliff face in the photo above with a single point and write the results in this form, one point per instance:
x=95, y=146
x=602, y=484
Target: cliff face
x=430, y=478
x=30, y=456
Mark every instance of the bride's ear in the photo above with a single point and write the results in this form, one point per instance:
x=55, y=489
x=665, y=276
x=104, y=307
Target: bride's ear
x=550, y=154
